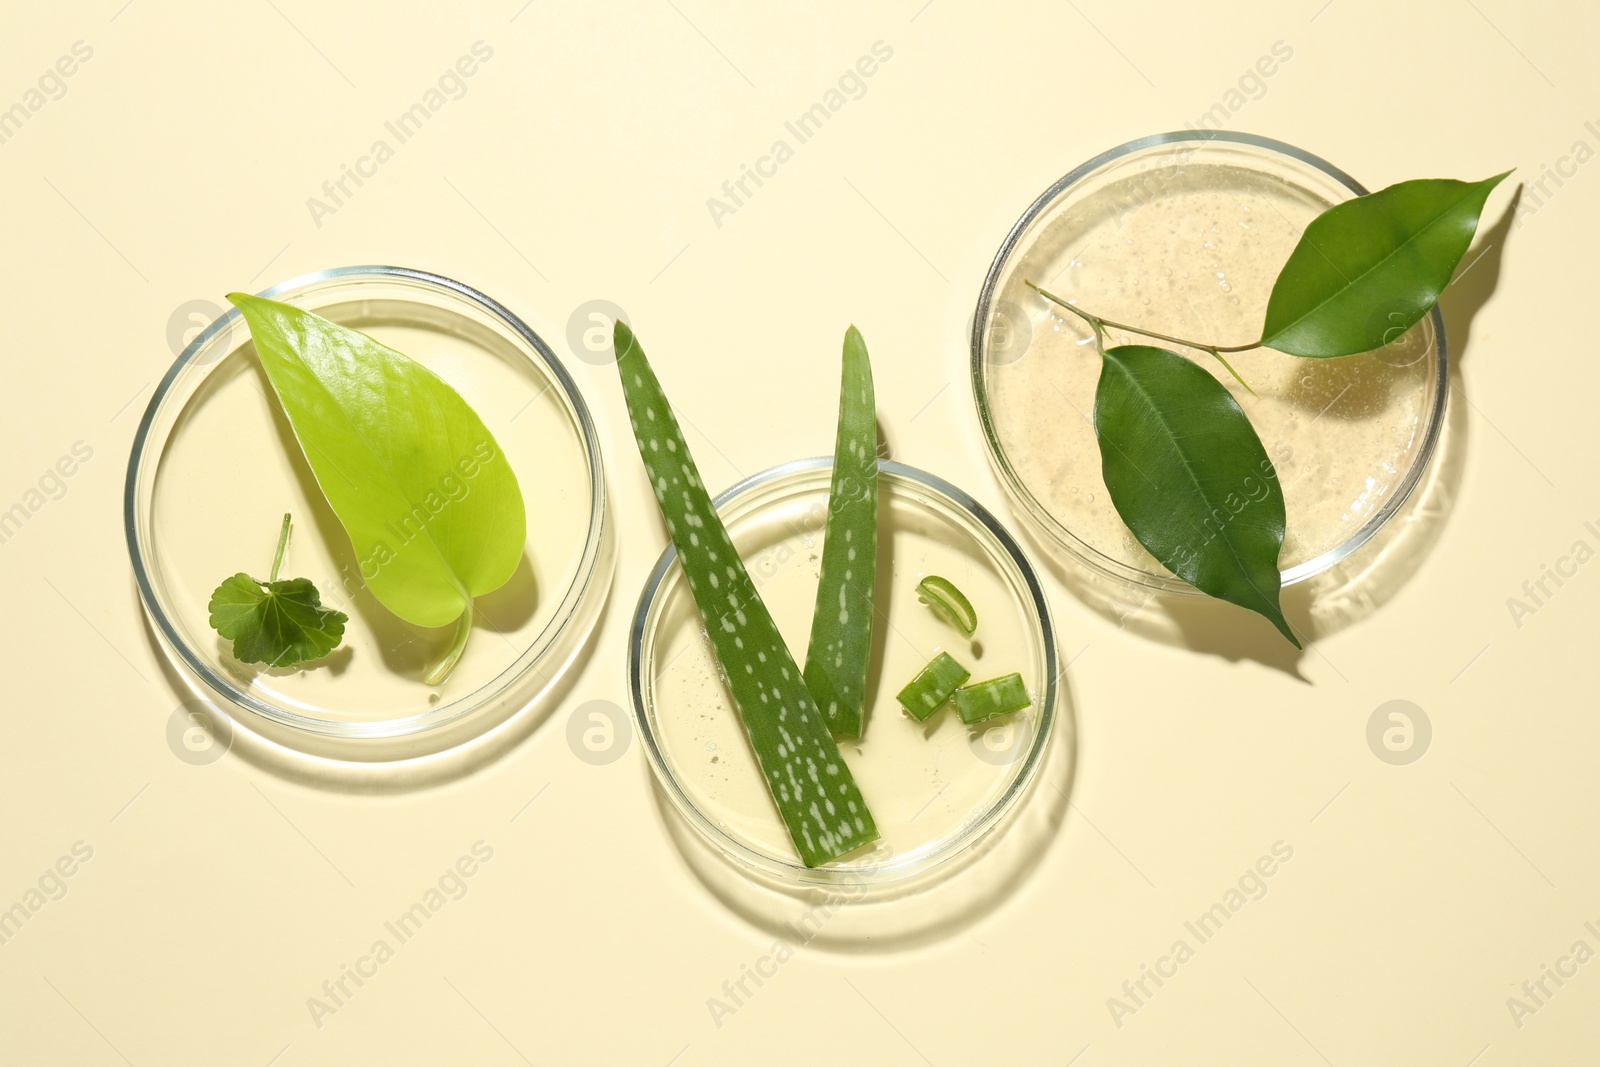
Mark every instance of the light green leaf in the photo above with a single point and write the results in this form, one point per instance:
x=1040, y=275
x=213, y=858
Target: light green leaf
x=1367, y=270
x=431, y=506
x=1190, y=478
x=841, y=625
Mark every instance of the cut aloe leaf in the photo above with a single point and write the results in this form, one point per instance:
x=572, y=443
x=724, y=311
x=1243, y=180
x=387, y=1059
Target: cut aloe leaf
x=949, y=603
x=841, y=625
x=991, y=699
x=815, y=793
x=927, y=692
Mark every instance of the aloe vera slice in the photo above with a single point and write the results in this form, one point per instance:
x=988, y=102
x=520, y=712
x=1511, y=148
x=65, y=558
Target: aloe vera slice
x=841, y=626
x=988, y=700
x=949, y=603
x=927, y=692
x=816, y=795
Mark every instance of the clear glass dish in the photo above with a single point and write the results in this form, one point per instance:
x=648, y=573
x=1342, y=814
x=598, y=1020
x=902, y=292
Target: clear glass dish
x=214, y=467
x=935, y=789
x=1184, y=233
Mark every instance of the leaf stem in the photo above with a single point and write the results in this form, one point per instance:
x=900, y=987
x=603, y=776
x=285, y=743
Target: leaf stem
x=441, y=670
x=1099, y=324
x=283, y=542
x=1087, y=317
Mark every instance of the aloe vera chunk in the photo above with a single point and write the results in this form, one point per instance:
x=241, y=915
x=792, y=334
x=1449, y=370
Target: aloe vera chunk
x=927, y=692
x=983, y=701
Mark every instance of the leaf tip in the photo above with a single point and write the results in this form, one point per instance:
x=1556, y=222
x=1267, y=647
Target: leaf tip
x=1282, y=623
x=621, y=338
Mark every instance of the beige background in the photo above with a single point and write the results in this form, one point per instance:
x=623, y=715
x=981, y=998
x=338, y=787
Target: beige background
x=177, y=166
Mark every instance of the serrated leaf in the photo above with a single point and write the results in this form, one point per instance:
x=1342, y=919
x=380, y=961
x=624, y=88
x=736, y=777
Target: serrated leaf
x=279, y=623
x=841, y=625
x=1369, y=269
x=1190, y=478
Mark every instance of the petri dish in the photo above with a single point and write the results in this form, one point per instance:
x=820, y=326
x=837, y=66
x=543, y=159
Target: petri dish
x=215, y=466
x=1184, y=233
x=936, y=788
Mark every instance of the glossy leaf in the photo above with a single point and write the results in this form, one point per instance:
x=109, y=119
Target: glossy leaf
x=1367, y=270
x=431, y=506
x=1190, y=478
x=815, y=793
x=841, y=625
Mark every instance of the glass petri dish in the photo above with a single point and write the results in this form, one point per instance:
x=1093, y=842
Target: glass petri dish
x=1184, y=233
x=215, y=466
x=936, y=788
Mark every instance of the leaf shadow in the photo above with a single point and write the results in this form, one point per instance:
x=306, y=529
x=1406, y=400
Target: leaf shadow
x=1475, y=283
x=882, y=584
x=1182, y=620
x=882, y=590
x=1213, y=628
x=510, y=607
x=334, y=663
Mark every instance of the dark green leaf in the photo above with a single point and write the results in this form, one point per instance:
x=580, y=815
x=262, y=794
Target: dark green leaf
x=841, y=625
x=278, y=623
x=1367, y=270
x=1190, y=478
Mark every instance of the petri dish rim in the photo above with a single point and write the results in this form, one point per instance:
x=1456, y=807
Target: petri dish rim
x=1053, y=527
x=646, y=618
x=591, y=560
